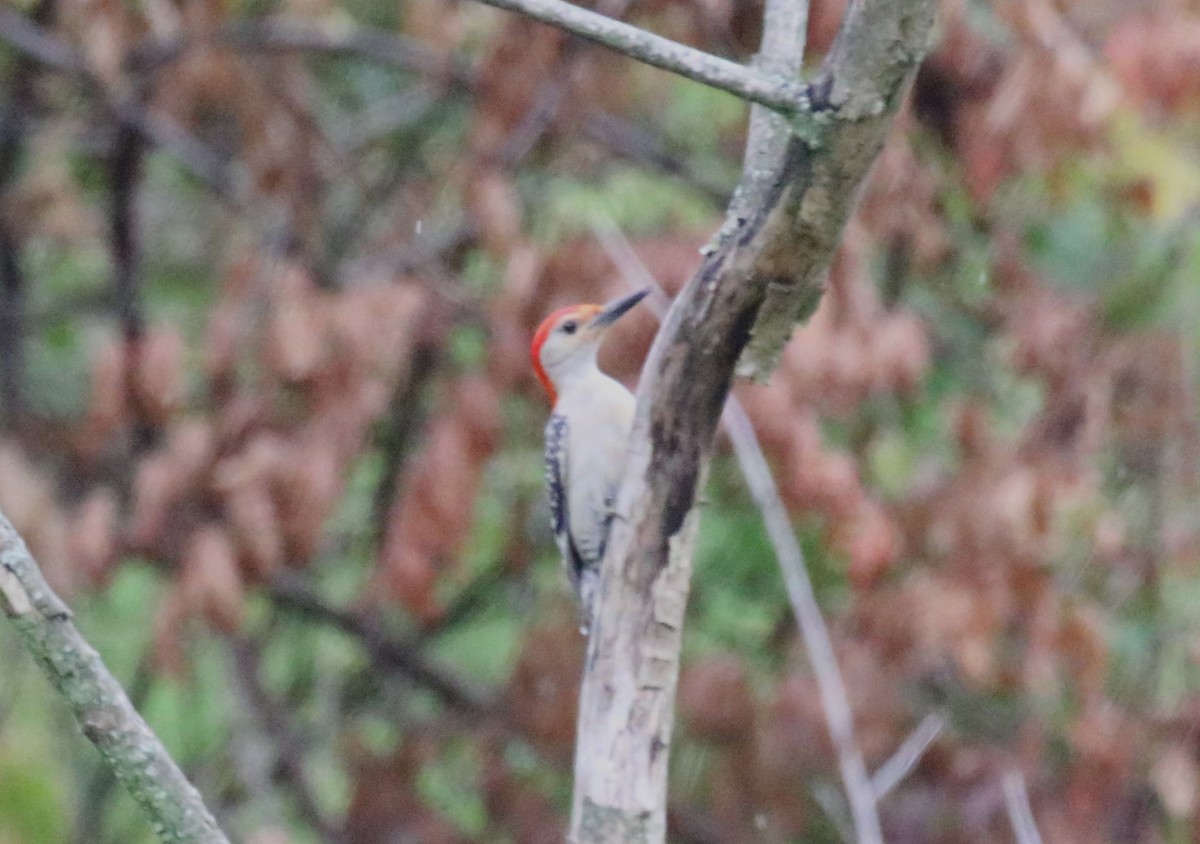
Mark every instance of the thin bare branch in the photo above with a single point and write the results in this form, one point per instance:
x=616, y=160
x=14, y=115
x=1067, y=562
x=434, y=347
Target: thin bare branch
x=1020, y=813
x=781, y=53
x=783, y=95
x=834, y=700
x=108, y=719
x=403, y=417
x=283, y=35
x=226, y=180
x=892, y=772
x=383, y=47
x=636, y=143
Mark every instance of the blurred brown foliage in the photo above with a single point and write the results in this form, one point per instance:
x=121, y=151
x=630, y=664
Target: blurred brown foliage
x=986, y=581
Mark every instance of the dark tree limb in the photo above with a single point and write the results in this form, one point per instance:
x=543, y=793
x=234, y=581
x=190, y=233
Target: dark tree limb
x=20, y=102
x=136, y=756
x=12, y=329
x=388, y=651
x=124, y=173
x=124, y=169
x=402, y=422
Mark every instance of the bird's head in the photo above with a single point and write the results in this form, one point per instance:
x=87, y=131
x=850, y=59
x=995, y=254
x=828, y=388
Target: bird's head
x=569, y=338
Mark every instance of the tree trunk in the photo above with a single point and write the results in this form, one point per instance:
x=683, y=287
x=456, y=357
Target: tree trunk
x=762, y=275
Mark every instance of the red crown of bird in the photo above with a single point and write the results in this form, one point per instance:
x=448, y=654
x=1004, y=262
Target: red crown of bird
x=580, y=312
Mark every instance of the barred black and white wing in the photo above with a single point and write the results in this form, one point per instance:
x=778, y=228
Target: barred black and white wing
x=586, y=439
x=557, y=443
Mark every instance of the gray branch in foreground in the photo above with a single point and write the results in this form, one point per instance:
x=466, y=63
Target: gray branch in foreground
x=789, y=555
x=780, y=93
x=129, y=747
x=771, y=253
x=835, y=703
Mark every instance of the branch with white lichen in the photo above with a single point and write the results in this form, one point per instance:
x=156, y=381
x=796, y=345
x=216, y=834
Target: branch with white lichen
x=129, y=747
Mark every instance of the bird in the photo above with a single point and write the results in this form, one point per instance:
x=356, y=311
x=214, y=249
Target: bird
x=586, y=437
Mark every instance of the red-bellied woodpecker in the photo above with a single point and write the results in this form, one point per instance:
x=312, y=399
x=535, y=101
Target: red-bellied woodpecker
x=586, y=436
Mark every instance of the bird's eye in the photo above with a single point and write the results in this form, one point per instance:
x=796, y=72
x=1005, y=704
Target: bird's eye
x=569, y=326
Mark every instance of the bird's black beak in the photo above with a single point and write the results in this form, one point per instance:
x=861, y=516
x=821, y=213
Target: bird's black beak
x=615, y=310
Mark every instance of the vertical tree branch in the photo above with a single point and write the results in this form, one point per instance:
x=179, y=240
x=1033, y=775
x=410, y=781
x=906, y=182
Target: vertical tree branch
x=864, y=794
x=124, y=171
x=775, y=245
x=125, y=164
x=12, y=329
x=403, y=417
x=781, y=53
x=108, y=719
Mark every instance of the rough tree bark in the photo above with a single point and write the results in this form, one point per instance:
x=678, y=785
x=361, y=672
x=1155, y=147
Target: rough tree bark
x=108, y=719
x=761, y=276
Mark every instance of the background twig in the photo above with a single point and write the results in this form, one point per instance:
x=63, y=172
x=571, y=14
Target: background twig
x=892, y=772
x=1020, y=814
x=405, y=657
x=817, y=643
x=286, y=744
